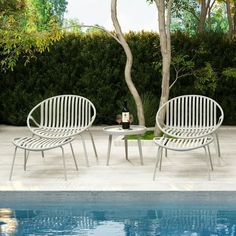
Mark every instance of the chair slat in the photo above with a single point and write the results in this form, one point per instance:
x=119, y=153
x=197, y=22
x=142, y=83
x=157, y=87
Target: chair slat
x=49, y=113
x=215, y=113
x=171, y=114
x=189, y=101
x=86, y=113
x=54, y=112
x=82, y=117
x=211, y=114
x=186, y=112
x=197, y=111
x=179, y=112
x=76, y=112
x=46, y=114
x=79, y=111
x=69, y=112
x=58, y=112
x=201, y=112
x=72, y=111
x=65, y=113
x=167, y=115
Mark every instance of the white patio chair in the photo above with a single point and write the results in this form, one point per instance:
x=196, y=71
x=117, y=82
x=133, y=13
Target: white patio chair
x=191, y=116
x=181, y=145
x=63, y=116
x=34, y=144
x=191, y=122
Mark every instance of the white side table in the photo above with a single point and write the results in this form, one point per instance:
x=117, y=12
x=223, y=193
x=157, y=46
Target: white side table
x=117, y=130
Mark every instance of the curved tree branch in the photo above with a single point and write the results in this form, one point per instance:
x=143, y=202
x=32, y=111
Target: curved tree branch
x=178, y=77
x=97, y=27
x=128, y=65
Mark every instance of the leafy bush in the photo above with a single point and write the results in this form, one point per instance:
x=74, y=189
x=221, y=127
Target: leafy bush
x=206, y=80
x=92, y=65
x=150, y=107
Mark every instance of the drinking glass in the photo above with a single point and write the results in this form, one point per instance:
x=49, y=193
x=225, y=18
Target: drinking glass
x=131, y=118
x=118, y=119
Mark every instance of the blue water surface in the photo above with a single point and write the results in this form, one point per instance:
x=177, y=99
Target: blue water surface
x=117, y=219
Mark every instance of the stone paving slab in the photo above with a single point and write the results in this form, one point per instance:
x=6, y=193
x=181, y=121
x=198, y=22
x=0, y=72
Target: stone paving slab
x=182, y=171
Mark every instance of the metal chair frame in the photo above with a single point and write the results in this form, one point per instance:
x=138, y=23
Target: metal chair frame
x=183, y=145
x=191, y=116
x=63, y=116
x=41, y=144
x=191, y=122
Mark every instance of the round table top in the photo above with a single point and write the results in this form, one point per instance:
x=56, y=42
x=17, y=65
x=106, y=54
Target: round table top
x=117, y=130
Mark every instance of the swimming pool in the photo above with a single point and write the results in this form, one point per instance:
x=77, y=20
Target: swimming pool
x=118, y=213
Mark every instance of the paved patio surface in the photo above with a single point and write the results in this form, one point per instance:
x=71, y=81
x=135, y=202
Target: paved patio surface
x=181, y=171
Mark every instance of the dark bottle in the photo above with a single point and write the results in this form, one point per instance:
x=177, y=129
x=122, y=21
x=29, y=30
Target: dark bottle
x=125, y=117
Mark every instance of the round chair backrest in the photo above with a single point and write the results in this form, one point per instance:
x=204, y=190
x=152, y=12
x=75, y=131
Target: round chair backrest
x=64, y=111
x=190, y=112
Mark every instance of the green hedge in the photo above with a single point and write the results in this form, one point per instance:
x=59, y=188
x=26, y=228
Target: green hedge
x=92, y=65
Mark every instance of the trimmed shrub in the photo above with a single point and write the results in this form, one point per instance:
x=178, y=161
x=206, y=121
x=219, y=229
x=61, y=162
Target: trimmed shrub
x=92, y=65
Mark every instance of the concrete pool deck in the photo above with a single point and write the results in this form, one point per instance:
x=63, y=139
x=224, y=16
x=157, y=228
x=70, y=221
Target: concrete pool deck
x=181, y=171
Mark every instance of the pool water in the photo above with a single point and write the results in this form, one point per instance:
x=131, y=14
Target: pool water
x=117, y=219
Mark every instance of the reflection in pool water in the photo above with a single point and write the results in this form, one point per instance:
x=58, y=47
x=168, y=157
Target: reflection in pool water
x=118, y=220
x=8, y=223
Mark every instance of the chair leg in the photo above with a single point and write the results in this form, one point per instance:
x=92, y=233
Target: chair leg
x=157, y=161
x=208, y=155
x=208, y=161
x=93, y=143
x=126, y=147
x=165, y=152
x=41, y=151
x=109, y=149
x=217, y=144
x=140, y=150
x=161, y=151
x=85, y=151
x=25, y=159
x=27, y=156
x=64, y=163
x=13, y=162
x=73, y=154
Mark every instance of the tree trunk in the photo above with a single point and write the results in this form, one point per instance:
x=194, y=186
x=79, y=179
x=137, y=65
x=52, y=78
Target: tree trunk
x=234, y=19
x=205, y=7
x=209, y=20
x=203, y=14
x=128, y=65
x=165, y=44
x=230, y=21
x=202, y=17
x=209, y=15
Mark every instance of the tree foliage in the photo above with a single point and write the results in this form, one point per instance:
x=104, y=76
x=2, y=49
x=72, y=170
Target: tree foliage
x=87, y=64
x=20, y=31
x=186, y=16
x=206, y=81
x=44, y=10
x=229, y=73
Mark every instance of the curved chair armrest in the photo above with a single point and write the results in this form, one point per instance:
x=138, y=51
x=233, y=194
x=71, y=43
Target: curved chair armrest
x=220, y=120
x=157, y=119
x=31, y=118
